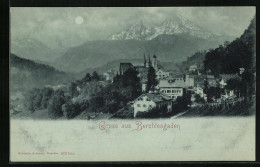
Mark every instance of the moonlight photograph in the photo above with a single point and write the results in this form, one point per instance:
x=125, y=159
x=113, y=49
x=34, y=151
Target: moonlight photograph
x=132, y=84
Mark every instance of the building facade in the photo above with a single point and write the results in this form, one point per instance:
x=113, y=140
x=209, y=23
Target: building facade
x=124, y=67
x=160, y=74
x=148, y=101
x=172, y=88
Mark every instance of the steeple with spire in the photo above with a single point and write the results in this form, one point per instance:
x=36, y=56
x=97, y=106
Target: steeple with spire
x=154, y=63
x=144, y=60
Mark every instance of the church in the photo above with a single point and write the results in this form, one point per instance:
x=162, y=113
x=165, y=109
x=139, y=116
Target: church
x=142, y=69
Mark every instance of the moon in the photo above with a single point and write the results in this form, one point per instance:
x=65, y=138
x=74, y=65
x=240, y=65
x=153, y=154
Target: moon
x=79, y=20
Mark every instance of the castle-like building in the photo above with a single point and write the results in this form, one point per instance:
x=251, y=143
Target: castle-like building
x=125, y=66
x=142, y=69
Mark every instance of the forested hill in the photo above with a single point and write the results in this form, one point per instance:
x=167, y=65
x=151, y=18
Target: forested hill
x=27, y=74
x=196, y=58
x=240, y=53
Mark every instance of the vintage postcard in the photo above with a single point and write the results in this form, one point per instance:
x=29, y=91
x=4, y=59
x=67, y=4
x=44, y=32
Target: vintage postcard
x=132, y=84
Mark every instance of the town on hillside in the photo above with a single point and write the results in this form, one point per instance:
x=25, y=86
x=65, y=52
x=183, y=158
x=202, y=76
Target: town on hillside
x=203, y=87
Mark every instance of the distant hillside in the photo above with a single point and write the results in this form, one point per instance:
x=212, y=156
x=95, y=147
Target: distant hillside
x=26, y=74
x=93, y=54
x=33, y=49
x=240, y=53
x=198, y=57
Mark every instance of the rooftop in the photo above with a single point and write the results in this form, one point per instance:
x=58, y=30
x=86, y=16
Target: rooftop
x=226, y=77
x=171, y=83
x=156, y=97
x=125, y=66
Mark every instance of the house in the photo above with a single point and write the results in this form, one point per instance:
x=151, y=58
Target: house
x=160, y=74
x=193, y=67
x=225, y=77
x=177, y=76
x=228, y=94
x=142, y=72
x=241, y=71
x=172, y=87
x=189, y=80
x=148, y=101
x=141, y=69
x=193, y=80
x=124, y=67
x=200, y=91
x=144, y=86
x=109, y=75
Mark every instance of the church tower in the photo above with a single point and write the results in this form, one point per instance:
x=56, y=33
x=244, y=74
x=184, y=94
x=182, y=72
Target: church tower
x=149, y=61
x=144, y=60
x=154, y=63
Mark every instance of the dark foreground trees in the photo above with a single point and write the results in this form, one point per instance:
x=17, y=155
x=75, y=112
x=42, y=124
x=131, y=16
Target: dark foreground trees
x=151, y=79
x=87, y=95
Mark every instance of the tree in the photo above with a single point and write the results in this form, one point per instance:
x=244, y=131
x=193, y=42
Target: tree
x=218, y=90
x=247, y=84
x=96, y=102
x=206, y=89
x=210, y=94
x=187, y=98
x=239, y=53
x=87, y=78
x=182, y=102
x=70, y=110
x=34, y=99
x=199, y=99
x=95, y=76
x=73, y=92
x=234, y=84
x=151, y=79
x=47, y=93
x=55, y=104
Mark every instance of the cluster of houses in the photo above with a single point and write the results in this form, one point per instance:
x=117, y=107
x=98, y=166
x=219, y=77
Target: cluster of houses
x=171, y=85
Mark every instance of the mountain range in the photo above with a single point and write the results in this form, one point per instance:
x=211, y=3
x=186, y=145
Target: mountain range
x=176, y=24
x=33, y=49
x=173, y=40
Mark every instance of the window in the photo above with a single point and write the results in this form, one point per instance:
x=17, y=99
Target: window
x=138, y=105
x=168, y=91
x=173, y=91
x=144, y=105
x=141, y=99
x=148, y=99
x=150, y=106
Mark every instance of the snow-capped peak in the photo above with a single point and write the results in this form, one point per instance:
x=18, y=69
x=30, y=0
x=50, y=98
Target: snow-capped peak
x=135, y=31
x=175, y=24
